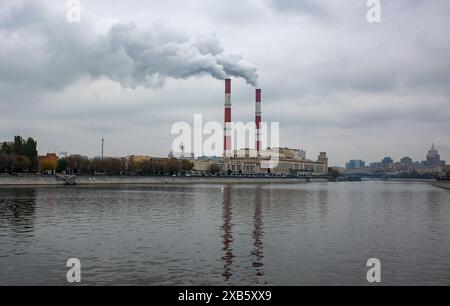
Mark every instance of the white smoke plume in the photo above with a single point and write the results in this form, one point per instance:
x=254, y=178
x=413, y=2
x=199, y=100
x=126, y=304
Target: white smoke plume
x=56, y=52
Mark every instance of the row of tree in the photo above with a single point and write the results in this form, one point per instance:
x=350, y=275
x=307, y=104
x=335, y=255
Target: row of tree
x=78, y=164
x=19, y=156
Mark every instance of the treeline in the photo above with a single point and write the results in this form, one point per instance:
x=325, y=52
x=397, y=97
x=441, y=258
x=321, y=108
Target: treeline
x=78, y=164
x=19, y=156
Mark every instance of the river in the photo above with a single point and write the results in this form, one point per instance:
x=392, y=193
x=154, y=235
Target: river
x=293, y=234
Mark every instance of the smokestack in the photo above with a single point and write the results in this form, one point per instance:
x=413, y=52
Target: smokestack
x=227, y=121
x=258, y=119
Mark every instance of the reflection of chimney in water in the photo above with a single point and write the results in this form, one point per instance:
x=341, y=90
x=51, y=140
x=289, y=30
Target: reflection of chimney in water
x=227, y=236
x=258, y=234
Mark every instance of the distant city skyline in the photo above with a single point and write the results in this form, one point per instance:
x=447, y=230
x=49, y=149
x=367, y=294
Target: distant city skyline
x=432, y=159
x=335, y=82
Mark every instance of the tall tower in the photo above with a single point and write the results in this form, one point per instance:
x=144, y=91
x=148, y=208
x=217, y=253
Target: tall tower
x=323, y=159
x=433, y=157
x=103, y=142
x=227, y=120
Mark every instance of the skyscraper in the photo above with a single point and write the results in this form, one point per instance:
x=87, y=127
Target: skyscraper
x=433, y=158
x=355, y=164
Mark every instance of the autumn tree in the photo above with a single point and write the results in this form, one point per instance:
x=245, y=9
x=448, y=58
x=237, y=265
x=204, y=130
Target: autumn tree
x=8, y=163
x=214, y=168
x=173, y=166
x=48, y=164
x=97, y=165
x=187, y=165
x=114, y=165
x=78, y=164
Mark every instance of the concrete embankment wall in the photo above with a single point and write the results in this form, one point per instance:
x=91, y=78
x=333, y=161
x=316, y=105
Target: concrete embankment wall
x=411, y=180
x=29, y=180
x=148, y=180
x=445, y=185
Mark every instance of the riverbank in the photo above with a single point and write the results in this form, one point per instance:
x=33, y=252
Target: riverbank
x=418, y=180
x=442, y=184
x=50, y=180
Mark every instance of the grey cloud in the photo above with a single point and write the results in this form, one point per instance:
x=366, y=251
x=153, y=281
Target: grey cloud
x=407, y=53
x=334, y=81
x=304, y=7
x=60, y=52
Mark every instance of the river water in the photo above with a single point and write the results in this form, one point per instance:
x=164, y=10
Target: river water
x=301, y=234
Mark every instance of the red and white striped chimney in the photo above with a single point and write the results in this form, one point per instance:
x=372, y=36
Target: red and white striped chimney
x=258, y=119
x=227, y=121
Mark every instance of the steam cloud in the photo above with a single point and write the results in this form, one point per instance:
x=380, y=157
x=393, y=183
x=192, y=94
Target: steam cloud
x=151, y=57
x=56, y=52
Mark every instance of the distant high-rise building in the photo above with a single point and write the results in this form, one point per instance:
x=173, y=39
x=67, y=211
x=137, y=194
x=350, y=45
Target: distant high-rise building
x=355, y=164
x=387, y=162
x=433, y=158
x=407, y=162
x=323, y=159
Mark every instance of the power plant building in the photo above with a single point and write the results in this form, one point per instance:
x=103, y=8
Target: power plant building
x=289, y=162
x=254, y=161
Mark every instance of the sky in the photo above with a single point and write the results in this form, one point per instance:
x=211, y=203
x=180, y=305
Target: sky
x=130, y=69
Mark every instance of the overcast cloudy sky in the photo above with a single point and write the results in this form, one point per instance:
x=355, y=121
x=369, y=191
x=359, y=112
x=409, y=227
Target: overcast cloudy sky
x=131, y=69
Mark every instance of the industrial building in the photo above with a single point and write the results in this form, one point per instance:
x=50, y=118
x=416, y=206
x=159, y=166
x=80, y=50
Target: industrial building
x=254, y=161
x=287, y=164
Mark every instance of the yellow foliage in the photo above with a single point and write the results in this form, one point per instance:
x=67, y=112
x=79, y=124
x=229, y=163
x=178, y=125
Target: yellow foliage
x=48, y=164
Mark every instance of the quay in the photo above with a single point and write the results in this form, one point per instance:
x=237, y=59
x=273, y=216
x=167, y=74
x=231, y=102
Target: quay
x=58, y=180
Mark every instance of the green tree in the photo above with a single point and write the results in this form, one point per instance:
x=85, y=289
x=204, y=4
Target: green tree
x=21, y=156
x=4, y=162
x=13, y=163
x=23, y=163
x=18, y=145
x=31, y=152
x=6, y=148
x=62, y=165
